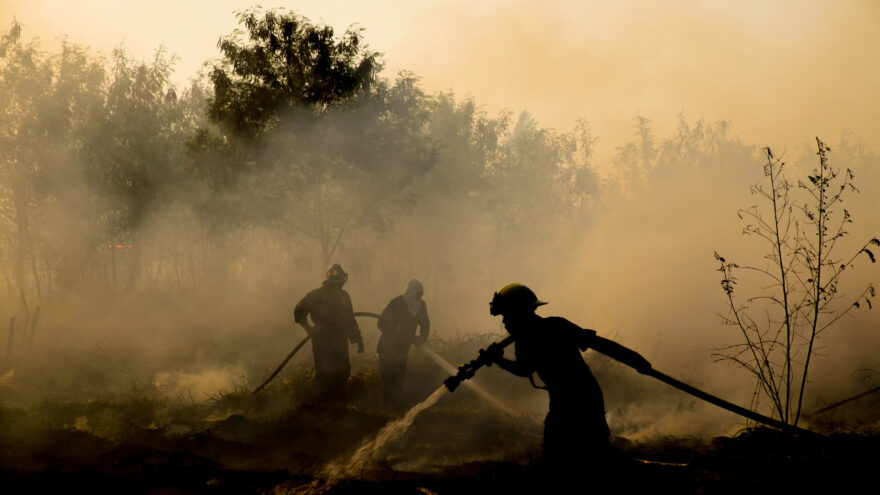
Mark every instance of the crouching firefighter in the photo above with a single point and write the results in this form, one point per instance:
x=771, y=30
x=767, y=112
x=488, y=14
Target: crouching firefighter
x=334, y=327
x=576, y=435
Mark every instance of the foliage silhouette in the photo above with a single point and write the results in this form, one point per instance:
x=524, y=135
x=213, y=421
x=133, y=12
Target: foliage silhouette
x=801, y=280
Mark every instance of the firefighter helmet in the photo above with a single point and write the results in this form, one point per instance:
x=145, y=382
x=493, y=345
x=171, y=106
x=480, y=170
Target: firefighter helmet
x=515, y=297
x=335, y=272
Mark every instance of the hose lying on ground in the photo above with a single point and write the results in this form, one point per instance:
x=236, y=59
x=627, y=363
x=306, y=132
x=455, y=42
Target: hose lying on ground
x=842, y=402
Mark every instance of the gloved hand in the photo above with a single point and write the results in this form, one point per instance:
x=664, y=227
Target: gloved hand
x=360, y=344
x=419, y=340
x=308, y=328
x=492, y=354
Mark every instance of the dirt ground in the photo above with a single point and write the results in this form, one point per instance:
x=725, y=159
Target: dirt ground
x=447, y=450
x=67, y=433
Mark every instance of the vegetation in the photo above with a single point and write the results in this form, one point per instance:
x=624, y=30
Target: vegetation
x=801, y=279
x=166, y=231
x=294, y=151
x=279, y=440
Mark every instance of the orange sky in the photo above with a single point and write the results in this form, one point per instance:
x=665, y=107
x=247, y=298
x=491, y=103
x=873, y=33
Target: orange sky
x=781, y=71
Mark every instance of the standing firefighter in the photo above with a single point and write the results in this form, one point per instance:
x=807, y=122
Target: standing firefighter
x=576, y=435
x=334, y=327
x=398, y=324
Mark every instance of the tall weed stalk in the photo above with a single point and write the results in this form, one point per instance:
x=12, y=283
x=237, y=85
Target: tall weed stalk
x=799, y=298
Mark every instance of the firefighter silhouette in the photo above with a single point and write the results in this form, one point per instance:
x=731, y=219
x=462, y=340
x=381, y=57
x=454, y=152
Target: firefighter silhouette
x=576, y=435
x=398, y=323
x=330, y=309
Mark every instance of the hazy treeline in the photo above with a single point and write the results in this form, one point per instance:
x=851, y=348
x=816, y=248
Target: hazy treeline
x=112, y=176
x=93, y=151
x=292, y=151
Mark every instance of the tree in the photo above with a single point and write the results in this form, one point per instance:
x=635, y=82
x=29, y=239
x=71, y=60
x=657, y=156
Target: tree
x=25, y=80
x=536, y=177
x=308, y=137
x=802, y=277
x=635, y=160
x=286, y=63
x=90, y=153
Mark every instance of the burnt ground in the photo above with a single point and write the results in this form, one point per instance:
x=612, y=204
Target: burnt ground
x=278, y=441
x=448, y=450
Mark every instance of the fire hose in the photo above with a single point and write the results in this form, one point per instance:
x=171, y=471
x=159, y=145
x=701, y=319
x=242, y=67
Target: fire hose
x=635, y=361
x=842, y=402
x=303, y=343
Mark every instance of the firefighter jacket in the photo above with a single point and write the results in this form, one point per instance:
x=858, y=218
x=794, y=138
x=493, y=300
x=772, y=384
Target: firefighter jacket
x=331, y=311
x=398, y=326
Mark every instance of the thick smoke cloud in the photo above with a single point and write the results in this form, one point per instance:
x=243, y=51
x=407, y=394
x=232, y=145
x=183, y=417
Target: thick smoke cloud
x=616, y=232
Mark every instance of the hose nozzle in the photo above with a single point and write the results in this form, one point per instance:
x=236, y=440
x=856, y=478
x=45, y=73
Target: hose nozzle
x=464, y=373
x=467, y=371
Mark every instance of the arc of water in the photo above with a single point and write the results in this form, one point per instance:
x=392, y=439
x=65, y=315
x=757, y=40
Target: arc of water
x=369, y=451
x=452, y=370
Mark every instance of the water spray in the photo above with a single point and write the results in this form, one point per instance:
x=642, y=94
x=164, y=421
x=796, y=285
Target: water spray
x=482, y=392
x=371, y=450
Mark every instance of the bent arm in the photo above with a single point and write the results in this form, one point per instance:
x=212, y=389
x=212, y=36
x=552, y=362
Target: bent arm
x=515, y=367
x=584, y=337
x=386, y=319
x=302, y=310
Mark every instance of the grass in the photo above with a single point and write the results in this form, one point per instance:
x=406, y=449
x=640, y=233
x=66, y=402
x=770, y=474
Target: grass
x=98, y=416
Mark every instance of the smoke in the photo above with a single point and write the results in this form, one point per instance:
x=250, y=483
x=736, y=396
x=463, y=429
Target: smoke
x=202, y=385
x=201, y=304
x=777, y=70
x=764, y=67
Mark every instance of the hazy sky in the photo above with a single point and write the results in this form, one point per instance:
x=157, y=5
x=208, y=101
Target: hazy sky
x=782, y=71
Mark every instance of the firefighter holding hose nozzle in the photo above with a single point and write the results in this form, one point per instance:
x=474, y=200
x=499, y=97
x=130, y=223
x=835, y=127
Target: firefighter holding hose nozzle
x=398, y=323
x=576, y=435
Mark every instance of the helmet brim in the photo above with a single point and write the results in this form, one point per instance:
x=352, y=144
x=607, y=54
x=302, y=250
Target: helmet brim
x=496, y=310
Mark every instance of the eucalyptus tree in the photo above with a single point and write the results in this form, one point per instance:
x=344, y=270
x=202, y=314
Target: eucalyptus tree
x=41, y=97
x=137, y=151
x=24, y=81
x=90, y=152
